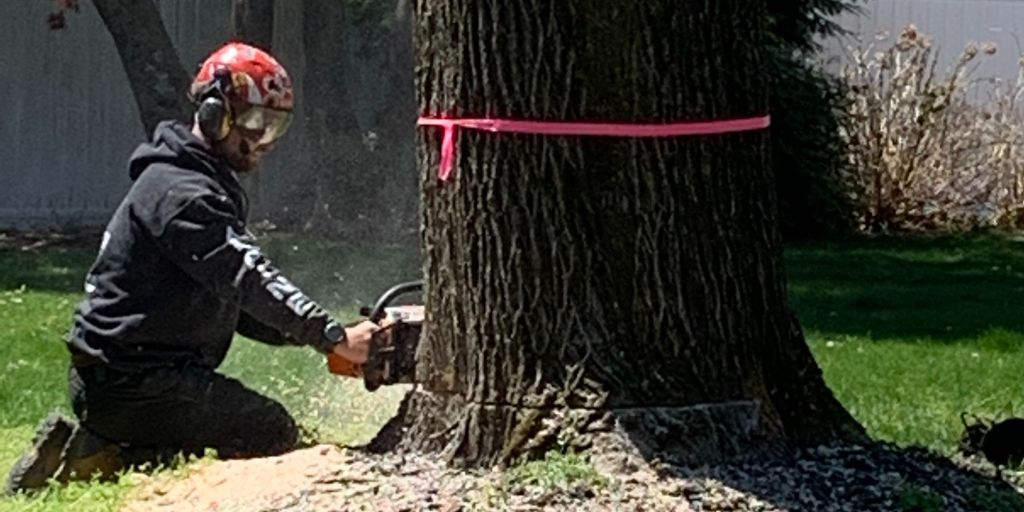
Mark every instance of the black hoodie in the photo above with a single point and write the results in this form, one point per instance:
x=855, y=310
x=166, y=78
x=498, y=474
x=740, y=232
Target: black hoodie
x=178, y=273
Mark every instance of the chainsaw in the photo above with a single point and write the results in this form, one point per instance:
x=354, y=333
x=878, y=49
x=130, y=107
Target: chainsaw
x=392, y=357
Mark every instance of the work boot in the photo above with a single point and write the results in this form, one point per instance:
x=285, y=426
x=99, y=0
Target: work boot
x=41, y=462
x=87, y=455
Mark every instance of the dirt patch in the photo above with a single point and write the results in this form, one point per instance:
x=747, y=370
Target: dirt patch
x=241, y=484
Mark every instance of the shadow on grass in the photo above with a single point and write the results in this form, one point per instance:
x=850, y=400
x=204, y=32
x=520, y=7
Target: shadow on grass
x=46, y=261
x=946, y=288
x=943, y=288
x=343, y=274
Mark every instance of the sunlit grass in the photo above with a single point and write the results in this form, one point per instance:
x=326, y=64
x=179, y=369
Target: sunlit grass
x=909, y=333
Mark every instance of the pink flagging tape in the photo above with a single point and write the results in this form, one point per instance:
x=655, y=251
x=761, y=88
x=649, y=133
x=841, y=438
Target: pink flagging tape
x=585, y=129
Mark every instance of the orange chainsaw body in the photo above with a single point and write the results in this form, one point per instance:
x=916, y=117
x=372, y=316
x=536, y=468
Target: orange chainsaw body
x=393, y=347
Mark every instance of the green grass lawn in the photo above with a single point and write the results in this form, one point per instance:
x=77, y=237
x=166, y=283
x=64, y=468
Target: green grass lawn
x=39, y=289
x=912, y=332
x=909, y=333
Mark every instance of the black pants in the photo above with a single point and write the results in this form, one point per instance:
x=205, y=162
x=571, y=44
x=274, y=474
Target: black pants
x=179, y=410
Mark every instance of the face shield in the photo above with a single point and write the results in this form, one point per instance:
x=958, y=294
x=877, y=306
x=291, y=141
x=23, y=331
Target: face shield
x=266, y=123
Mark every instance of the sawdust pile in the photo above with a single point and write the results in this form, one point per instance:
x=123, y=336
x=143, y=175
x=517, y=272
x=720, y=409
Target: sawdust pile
x=334, y=479
x=241, y=484
x=329, y=478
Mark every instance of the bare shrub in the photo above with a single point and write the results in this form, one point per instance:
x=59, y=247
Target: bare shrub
x=931, y=150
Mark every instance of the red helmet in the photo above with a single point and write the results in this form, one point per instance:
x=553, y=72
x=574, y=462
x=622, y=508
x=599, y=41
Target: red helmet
x=258, y=90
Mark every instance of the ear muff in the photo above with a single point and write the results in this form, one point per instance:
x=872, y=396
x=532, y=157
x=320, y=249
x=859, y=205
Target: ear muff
x=214, y=118
x=214, y=114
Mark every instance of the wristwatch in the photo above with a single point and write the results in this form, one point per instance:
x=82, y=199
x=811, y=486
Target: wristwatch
x=334, y=335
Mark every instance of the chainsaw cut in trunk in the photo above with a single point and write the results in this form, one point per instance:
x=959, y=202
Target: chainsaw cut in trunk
x=582, y=286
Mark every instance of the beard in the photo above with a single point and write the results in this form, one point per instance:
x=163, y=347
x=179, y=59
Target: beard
x=243, y=158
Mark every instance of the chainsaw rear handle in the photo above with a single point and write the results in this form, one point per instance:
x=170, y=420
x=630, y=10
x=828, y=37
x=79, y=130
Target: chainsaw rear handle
x=377, y=313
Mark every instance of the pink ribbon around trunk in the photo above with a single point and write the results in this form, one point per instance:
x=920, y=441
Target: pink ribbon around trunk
x=574, y=128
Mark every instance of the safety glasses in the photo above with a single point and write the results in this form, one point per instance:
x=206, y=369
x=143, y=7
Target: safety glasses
x=269, y=123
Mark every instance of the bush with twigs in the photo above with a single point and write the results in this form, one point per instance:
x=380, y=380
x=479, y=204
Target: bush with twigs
x=931, y=150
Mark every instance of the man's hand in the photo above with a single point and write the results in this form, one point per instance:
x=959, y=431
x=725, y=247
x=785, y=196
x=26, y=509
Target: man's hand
x=356, y=347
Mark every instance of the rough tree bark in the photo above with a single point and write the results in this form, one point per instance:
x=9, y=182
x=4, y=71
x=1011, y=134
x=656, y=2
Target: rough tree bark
x=157, y=78
x=252, y=22
x=576, y=286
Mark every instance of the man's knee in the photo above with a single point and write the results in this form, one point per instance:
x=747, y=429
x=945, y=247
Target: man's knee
x=194, y=409
x=265, y=429
x=282, y=434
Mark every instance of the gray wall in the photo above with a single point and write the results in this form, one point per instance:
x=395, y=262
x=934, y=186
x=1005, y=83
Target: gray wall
x=951, y=24
x=68, y=121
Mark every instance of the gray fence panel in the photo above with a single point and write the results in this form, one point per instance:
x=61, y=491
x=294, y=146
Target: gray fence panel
x=69, y=122
x=951, y=25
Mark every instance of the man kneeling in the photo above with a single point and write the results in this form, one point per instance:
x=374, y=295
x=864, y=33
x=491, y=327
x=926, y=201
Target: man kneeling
x=176, y=276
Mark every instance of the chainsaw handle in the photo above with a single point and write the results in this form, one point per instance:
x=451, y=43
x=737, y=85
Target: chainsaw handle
x=377, y=313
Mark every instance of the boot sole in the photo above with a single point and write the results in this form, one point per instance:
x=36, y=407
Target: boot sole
x=34, y=469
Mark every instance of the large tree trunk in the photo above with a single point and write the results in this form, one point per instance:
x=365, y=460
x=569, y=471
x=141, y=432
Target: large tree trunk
x=157, y=78
x=575, y=285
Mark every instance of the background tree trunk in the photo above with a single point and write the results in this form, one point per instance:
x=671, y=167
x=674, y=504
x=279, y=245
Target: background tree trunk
x=361, y=116
x=252, y=22
x=157, y=78
x=579, y=285
x=328, y=111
